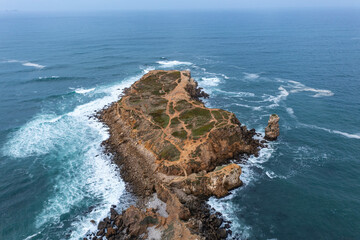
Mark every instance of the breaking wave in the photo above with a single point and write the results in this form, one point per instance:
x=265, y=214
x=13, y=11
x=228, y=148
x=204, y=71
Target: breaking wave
x=83, y=90
x=210, y=81
x=170, y=64
x=70, y=145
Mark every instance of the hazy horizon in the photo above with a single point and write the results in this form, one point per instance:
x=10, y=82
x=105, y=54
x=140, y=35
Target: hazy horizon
x=112, y=5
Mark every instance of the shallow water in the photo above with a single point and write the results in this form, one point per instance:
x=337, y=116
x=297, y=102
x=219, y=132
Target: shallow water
x=55, y=71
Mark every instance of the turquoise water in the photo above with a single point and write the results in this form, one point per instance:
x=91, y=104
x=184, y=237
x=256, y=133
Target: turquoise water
x=55, y=71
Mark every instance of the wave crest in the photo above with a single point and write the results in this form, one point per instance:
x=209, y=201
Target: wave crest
x=170, y=64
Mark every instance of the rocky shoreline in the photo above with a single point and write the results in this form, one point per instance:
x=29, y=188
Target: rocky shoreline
x=174, y=153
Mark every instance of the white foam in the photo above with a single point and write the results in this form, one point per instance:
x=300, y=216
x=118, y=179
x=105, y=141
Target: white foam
x=36, y=137
x=237, y=94
x=11, y=61
x=248, y=176
x=83, y=90
x=270, y=174
x=319, y=92
x=290, y=111
x=32, y=236
x=210, y=81
x=264, y=156
x=224, y=76
x=147, y=69
x=247, y=106
x=170, y=64
x=35, y=65
x=276, y=99
x=273, y=175
x=299, y=87
x=225, y=207
x=104, y=182
x=26, y=63
x=51, y=77
x=348, y=135
x=85, y=172
x=293, y=87
x=251, y=76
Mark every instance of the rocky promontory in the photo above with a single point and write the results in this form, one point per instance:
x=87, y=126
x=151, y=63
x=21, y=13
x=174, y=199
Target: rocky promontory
x=174, y=153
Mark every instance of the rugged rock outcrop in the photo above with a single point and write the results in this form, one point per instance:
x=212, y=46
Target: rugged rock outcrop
x=272, y=130
x=167, y=142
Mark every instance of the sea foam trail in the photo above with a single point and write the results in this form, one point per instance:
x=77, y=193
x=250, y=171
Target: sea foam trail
x=71, y=143
x=170, y=64
x=293, y=87
x=348, y=135
x=276, y=99
x=237, y=94
x=27, y=64
x=299, y=87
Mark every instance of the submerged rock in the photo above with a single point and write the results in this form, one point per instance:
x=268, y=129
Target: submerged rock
x=272, y=130
x=167, y=142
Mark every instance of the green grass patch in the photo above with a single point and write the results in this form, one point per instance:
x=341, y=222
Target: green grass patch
x=182, y=104
x=160, y=117
x=198, y=116
x=169, y=152
x=174, y=122
x=203, y=129
x=217, y=115
x=174, y=75
x=180, y=134
x=225, y=114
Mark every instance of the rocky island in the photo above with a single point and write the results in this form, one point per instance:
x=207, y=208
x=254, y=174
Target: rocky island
x=174, y=153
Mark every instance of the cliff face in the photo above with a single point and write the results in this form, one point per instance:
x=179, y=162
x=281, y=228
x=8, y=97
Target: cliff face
x=166, y=141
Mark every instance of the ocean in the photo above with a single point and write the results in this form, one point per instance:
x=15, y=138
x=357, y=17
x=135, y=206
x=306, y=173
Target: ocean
x=57, y=70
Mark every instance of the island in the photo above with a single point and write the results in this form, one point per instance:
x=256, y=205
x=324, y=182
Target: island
x=173, y=153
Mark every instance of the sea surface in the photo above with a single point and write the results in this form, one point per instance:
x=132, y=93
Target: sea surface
x=57, y=69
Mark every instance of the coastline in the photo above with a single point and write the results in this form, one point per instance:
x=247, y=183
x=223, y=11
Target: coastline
x=180, y=206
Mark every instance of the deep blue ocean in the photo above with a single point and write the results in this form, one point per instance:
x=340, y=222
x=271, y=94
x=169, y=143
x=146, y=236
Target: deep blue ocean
x=57, y=69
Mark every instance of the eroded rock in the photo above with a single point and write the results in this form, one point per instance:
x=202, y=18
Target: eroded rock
x=272, y=130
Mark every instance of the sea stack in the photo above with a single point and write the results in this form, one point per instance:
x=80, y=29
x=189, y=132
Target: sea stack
x=272, y=130
x=173, y=149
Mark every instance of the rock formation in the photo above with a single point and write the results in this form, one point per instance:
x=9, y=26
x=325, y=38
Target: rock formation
x=272, y=130
x=168, y=143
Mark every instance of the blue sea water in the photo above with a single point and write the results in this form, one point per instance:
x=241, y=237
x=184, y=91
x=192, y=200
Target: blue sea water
x=56, y=70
